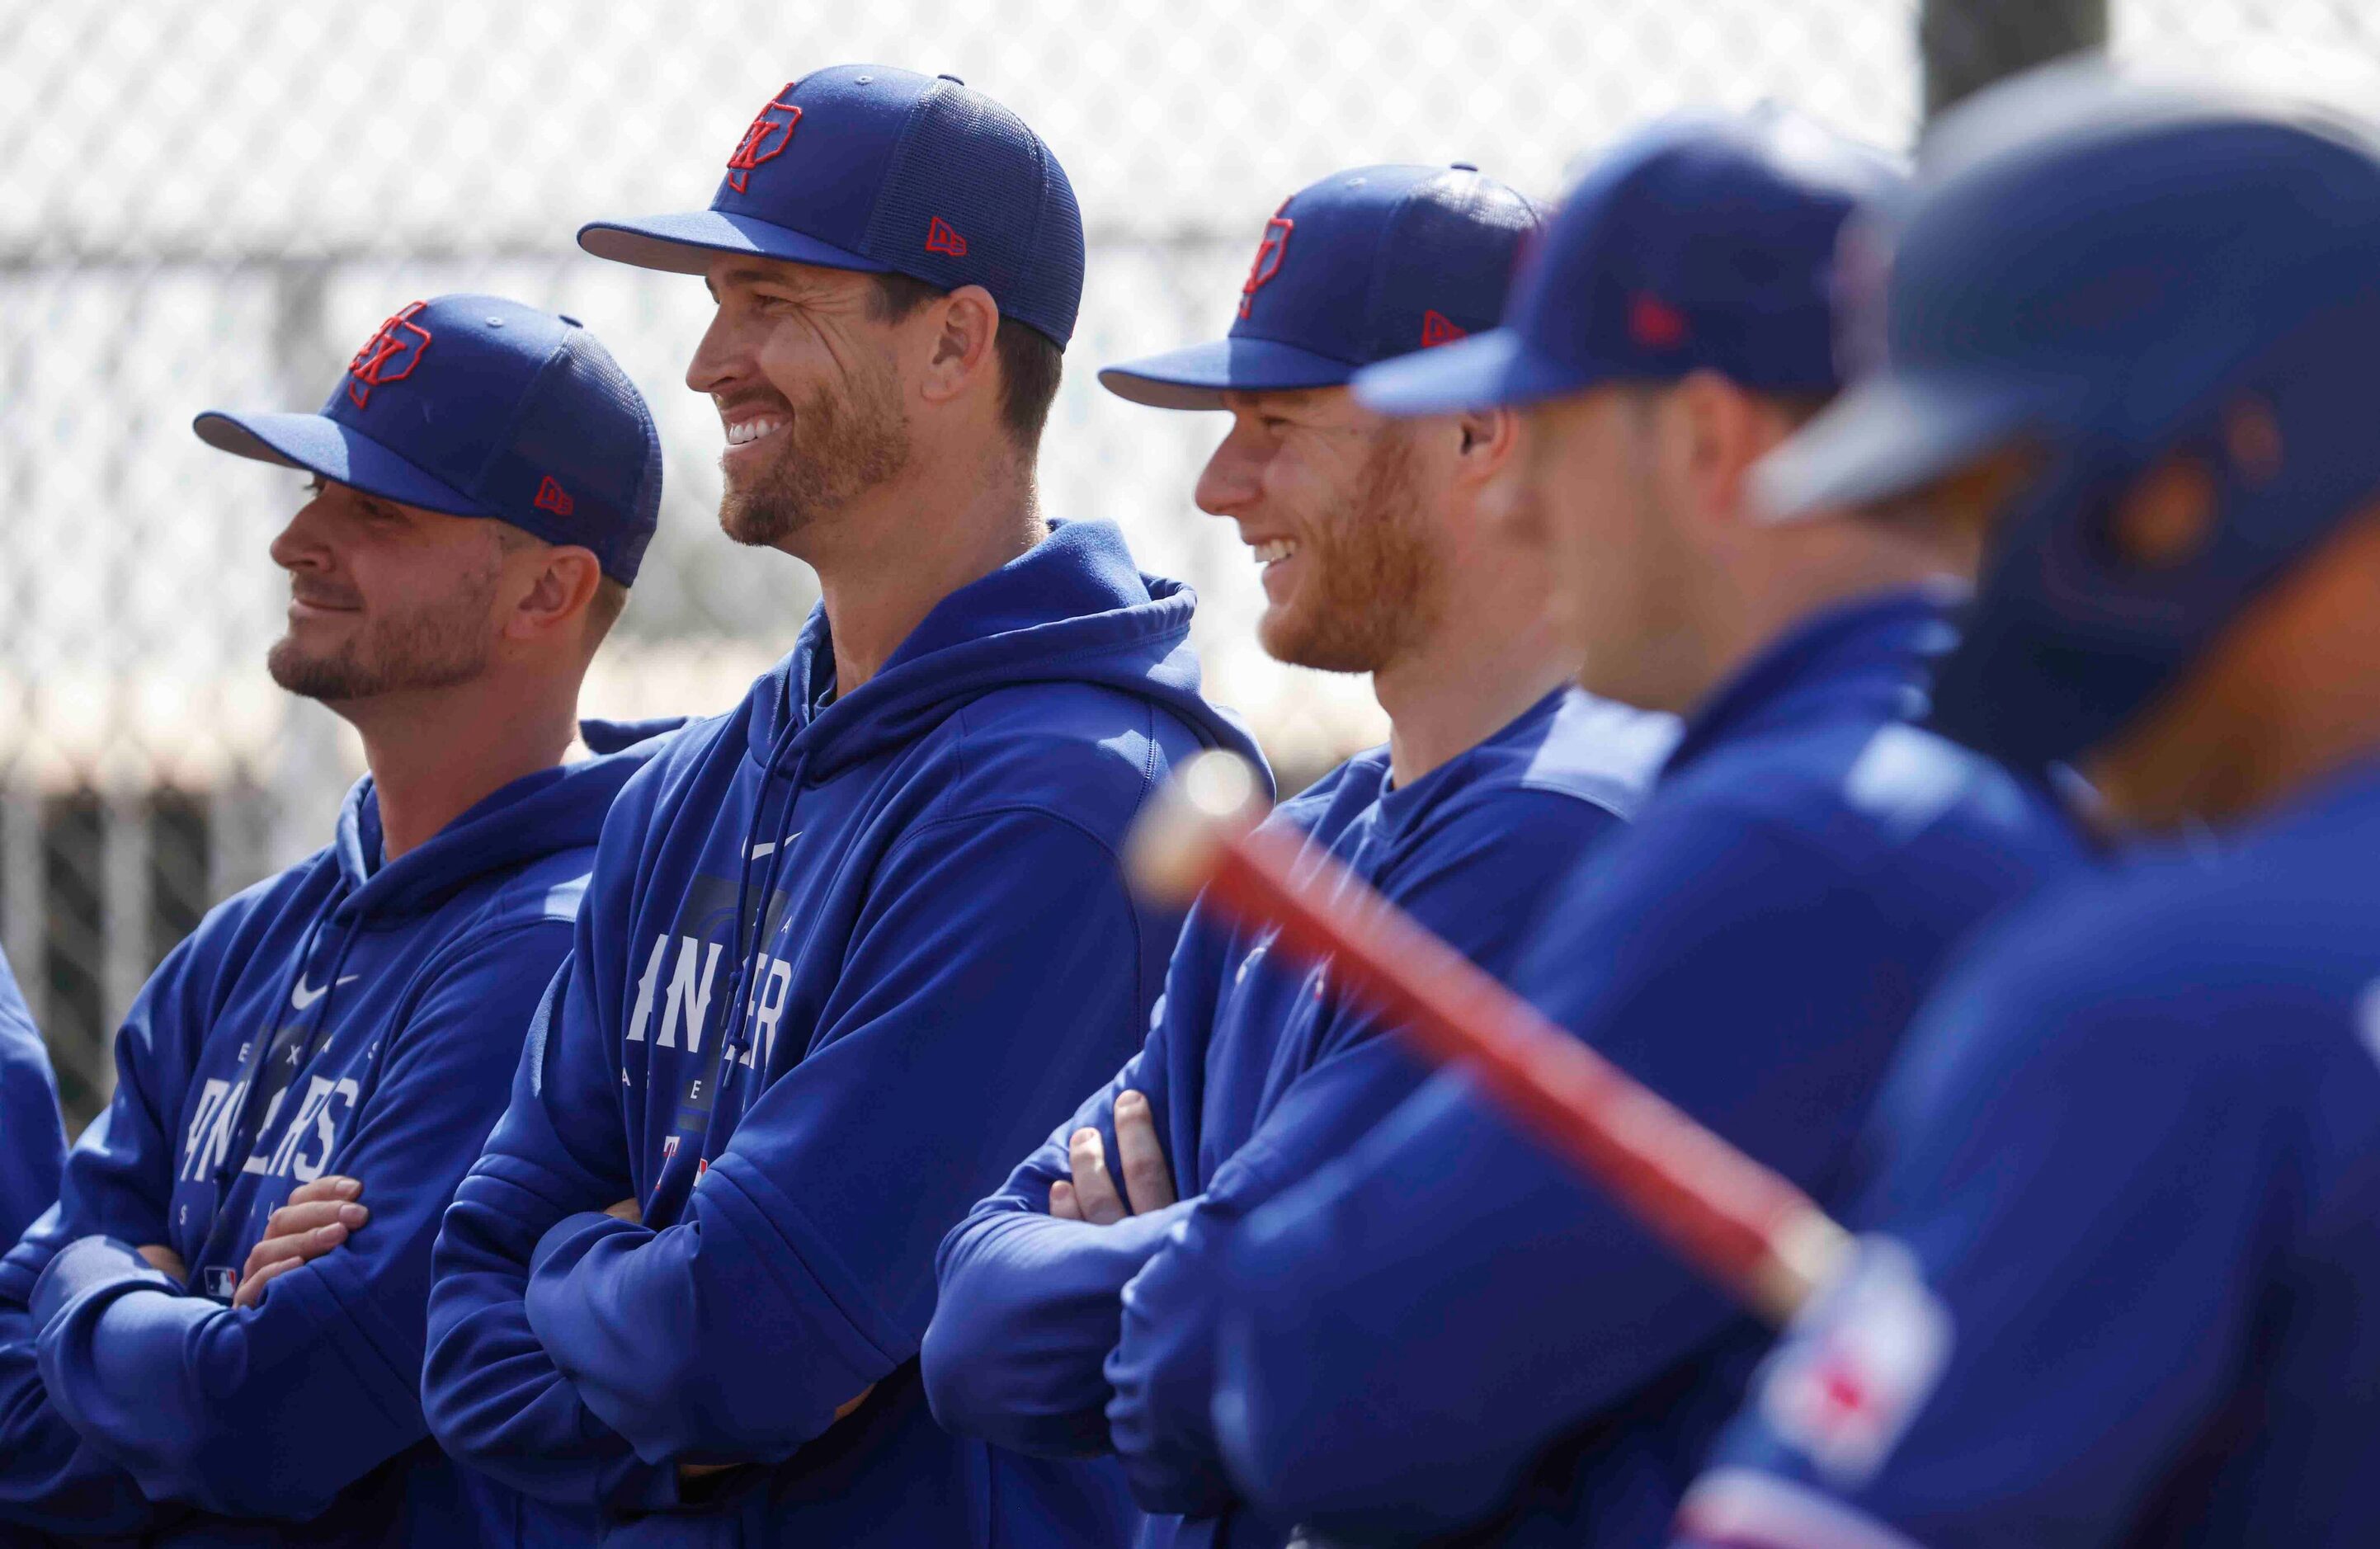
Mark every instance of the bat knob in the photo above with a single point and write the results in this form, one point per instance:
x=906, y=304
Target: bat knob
x=1181, y=835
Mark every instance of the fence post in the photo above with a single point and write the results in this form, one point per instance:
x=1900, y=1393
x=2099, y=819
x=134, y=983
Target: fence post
x=1968, y=45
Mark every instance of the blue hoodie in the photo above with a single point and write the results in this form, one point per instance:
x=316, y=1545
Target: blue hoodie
x=1071, y=1340
x=349, y=1016
x=32, y=1137
x=1446, y=1329
x=1064, y=1339
x=2126, y=1181
x=845, y=958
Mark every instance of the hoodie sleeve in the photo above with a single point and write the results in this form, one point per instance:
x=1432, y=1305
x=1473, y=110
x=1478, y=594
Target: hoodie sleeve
x=1027, y=1306
x=491, y=1393
x=1478, y=883
x=117, y=1181
x=993, y=975
x=270, y=1411
x=1400, y=1336
x=32, y=1135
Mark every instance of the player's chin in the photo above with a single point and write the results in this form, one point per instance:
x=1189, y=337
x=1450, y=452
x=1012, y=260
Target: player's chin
x=1308, y=637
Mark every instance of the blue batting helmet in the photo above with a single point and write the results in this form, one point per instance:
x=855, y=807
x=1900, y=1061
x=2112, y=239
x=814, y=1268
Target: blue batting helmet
x=2115, y=271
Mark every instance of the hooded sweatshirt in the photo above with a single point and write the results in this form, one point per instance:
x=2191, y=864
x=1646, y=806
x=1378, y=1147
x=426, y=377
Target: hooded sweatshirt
x=1069, y=1338
x=847, y=957
x=351, y=1015
x=1446, y=1330
x=32, y=1137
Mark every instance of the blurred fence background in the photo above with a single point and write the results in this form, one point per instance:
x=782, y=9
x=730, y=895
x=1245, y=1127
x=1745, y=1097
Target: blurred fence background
x=214, y=201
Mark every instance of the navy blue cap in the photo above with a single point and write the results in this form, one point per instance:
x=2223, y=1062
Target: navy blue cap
x=885, y=171
x=1362, y=266
x=474, y=406
x=1705, y=243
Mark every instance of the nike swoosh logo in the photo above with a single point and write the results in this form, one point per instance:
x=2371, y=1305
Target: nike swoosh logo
x=301, y=997
x=760, y=849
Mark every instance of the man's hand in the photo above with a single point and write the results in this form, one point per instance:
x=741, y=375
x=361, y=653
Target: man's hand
x=165, y=1258
x=626, y=1210
x=1093, y=1195
x=316, y=1218
x=690, y=1471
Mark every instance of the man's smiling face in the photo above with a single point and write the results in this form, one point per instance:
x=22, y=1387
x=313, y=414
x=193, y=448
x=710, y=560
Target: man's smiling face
x=802, y=364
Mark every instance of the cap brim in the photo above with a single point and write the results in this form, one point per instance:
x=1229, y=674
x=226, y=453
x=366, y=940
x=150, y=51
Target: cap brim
x=1890, y=435
x=686, y=243
x=1493, y=370
x=1197, y=378
x=336, y=452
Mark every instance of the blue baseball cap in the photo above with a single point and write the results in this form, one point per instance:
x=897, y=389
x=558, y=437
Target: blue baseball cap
x=1704, y=243
x=474, y=406
x=1364, y=265
x=885, y=171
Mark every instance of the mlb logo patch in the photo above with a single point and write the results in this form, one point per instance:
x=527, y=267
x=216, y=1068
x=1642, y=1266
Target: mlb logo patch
x=1859, y=1364
x=221, y=1282
x=668, y=1148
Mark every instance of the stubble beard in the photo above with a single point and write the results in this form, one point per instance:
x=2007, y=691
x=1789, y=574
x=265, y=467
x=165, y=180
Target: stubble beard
x=837, y=448
x=1374, y=582
x=432, y=647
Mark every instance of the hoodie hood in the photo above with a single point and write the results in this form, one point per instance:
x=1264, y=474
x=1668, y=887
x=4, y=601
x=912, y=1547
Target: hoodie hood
x=1073, y=608
x=534, y=817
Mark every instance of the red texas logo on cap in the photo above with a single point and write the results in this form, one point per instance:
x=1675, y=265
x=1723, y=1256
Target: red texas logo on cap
x=390, y=354
x=1437, y=328
x=940, y=238
x=553, y=497
x=757, y=146
x=1269, y=256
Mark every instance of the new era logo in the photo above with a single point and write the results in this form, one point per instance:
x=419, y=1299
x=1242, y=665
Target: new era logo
x=1437, y=328
x=1656, y=324
x=553, y=497
x=390, y=354
x=1270, y=251
x=940, y=238
x=765, y=139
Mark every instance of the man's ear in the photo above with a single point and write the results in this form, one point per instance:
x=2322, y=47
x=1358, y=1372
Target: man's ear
x=1487, y=442
x=959, y=351
x=559, y=592
x=1715, y=433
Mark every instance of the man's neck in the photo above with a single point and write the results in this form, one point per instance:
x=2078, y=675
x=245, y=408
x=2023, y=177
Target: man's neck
x=1468, y=681
x=915, y=544
x=435, y=756
x=1764, y=598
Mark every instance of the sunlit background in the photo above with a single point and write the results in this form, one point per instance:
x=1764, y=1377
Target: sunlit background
x=211, y=204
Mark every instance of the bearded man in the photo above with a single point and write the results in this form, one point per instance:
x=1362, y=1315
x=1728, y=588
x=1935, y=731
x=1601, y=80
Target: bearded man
x=854, y=946
x=1380, y=556
x=216, y=1337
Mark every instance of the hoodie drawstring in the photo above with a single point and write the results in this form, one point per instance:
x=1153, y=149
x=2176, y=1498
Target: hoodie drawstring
x=747, y=981
x=248, y=1131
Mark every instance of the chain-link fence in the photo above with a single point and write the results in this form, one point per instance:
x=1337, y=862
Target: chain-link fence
x=212, y=204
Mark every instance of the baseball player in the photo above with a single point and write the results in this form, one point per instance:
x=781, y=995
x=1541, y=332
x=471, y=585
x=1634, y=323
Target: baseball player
x=853, y=947
x=217, y=1338
x=2126, y=1191
x=1444, y=1330
x=1075, y=1314
x=32, y=1137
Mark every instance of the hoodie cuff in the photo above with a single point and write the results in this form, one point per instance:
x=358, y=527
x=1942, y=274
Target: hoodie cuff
x=91, y=1263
